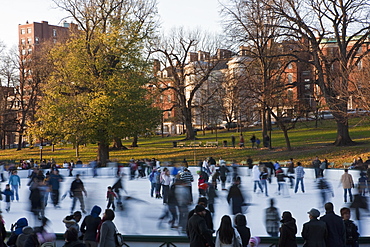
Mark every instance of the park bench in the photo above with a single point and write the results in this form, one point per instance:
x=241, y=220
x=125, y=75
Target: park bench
x=347, y=164
x=195, y=144
x=211, y=144
x=181, y=144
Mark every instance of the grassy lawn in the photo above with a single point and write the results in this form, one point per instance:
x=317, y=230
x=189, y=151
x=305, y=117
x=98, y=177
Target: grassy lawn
x=306, y=141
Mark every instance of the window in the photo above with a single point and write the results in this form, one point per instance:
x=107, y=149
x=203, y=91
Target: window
x=307, y=80
x=307, y=86
x=169, y=114
x=30, y=51
x=290, y=66
x=54, y=32
x=24, y=52
x=29, y=41
x=290, y=78
x=23, y=31
x=359, y=65
x=161, y=98
x=36, y=40
x=306, y=73
x=29, y=30
x=23, y=41
x=169, y=98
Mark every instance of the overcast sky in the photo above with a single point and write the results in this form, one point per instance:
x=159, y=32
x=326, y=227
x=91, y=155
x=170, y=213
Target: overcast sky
x=189, y=14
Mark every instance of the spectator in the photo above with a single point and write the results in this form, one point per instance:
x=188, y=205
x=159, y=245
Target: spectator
x=197, y=230
x=26, y=232
x=288, y=230
x=347, y=183
x=335, y=227
x=253, y=140
x=208, y=216
x=71, y=238
x=351, y=229
x=226, y=234
x=2, y=231
x=314, y=232
x=107, y=230
x=254, y=241
x=290, y=172
x=89, y=227
x=16, y=230
x=241, y=141
x=241, y=226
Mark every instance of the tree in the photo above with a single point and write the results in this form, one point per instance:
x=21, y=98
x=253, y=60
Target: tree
x=336, y=32
x=188, y=70
x=263, y=59
x=96, y=90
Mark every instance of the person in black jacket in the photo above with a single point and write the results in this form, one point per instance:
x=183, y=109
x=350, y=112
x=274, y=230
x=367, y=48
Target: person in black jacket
x=241, y=226
x=335, y=225
x=288, y=230
x=2, y=231
x=351, y=229
x=235, y=197
x=71, y=238
x=197, y=230
x=208, y=216
x=314, y=232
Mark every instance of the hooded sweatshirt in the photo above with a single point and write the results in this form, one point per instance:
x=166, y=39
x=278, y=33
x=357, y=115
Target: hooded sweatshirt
x=22, y=222
x=90, y=224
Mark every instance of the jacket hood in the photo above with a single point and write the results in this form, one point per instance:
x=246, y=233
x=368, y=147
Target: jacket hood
x=95, y=211
x=22, y=222
x=27, y=230
x=291, y=226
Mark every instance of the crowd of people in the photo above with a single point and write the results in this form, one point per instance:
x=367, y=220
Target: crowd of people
x=173, y=186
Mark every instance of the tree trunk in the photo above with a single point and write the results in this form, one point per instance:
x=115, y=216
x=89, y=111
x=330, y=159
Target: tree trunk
x=103, y=153
x=53, y=147
x=20, y=138
x=343, y=137
x=134, y=141
x=287, y=141
x=117, y=143
x=189, y=126
x=77, y=150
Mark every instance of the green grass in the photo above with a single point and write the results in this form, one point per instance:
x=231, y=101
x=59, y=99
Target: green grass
x=306, y=141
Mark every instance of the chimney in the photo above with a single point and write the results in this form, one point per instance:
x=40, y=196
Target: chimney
x=223, y=54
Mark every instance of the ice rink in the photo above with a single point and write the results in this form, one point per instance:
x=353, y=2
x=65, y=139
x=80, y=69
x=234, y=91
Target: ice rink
x=141, y=216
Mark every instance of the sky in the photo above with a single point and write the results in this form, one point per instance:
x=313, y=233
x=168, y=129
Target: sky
x=191, y=14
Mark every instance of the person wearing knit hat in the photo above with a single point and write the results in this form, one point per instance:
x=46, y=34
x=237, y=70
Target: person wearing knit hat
x=254, y=241
x=315, y=231
x=197, y=230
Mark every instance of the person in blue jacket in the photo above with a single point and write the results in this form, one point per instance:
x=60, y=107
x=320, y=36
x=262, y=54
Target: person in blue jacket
x=15, y=183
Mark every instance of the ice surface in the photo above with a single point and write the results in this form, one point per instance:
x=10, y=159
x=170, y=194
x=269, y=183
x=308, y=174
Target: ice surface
x=141, y=216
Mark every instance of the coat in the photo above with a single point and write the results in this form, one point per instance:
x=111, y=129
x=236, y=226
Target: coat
x=107, y=231
x=235, y=196
x=198, y=232
x=288, y=230
x=347, y=181
x=237, y=241
x=336, y=230
x=90, y=225
x=314, y=233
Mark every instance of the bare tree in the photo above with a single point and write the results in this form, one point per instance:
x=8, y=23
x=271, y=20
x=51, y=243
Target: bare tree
x=336, y=32
x=256, y=29
x=188, y=70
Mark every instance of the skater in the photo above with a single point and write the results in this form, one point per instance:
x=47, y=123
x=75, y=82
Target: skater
x=347, y=183
x=235, y=197
x=8, y=194
x=264, y=176
x=15, y=183
x=272, y=219
x=325, y=189
x=117, y=186
x=153, y=181
x=110, y=197
x=316, y=165
x=223, y=175
x=256, y=178
x=77, y=190
x=299, y=171
x=54, y=183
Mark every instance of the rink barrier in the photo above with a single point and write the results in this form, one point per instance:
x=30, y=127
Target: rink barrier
x=171, y=241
